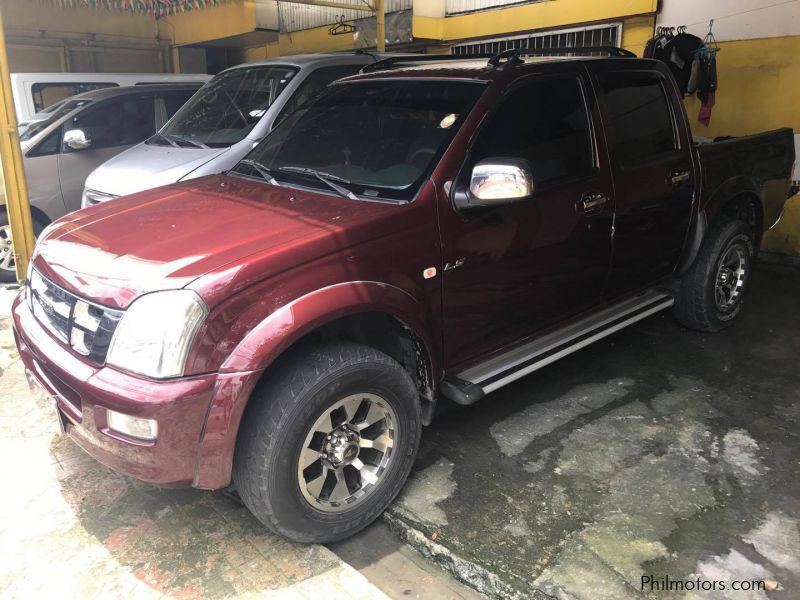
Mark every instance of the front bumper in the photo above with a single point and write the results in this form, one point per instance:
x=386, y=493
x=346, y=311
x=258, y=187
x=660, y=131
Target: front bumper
x=83, y=392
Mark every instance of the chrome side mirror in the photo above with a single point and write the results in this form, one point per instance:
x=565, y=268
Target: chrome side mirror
x=76, y=139
x=496, y=182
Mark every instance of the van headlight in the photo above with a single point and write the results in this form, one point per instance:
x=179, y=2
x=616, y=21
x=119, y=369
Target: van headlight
x=155, y=333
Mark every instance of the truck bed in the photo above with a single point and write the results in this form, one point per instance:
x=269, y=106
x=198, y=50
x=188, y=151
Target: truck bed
x=761, y=163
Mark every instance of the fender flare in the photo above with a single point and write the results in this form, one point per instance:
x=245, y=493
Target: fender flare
x=242, y=370
x=288, y=324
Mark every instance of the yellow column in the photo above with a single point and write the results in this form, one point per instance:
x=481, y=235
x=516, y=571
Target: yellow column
x=380, y=25
x=17, y=205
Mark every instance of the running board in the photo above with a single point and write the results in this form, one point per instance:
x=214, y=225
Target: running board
x=521, y=361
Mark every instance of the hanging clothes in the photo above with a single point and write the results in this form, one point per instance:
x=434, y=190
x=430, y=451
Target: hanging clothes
x=706, y=84
x=679, y=55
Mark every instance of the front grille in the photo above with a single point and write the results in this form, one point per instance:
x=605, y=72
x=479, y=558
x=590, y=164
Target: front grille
x=84, y=326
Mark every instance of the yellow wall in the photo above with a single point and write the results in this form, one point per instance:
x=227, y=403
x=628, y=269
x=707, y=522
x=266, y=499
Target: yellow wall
x=301, y=42
x=540, y=15
x=759, y=90
x=212, y=23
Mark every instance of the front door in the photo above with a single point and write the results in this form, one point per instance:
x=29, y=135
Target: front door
x=651, y=159
x=111, y=127
x=514, y=270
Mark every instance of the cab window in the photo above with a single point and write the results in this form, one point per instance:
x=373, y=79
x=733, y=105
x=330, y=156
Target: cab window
x=546, y=123
x=641, y=123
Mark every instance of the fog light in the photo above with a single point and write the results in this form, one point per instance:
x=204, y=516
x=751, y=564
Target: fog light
x=135, y=427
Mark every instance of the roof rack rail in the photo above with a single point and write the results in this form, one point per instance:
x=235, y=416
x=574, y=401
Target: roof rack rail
x=514, y=56
x=391, y=61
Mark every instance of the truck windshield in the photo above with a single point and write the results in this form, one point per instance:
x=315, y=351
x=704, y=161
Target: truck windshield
x=225, y=109
x=376, y=139
x=37, y=126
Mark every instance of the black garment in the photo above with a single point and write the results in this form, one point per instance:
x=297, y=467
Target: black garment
x=679, y=54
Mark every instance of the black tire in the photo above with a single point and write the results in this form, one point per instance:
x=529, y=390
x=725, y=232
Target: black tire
x=696, y=305
x=8, y=275
x=281, y=413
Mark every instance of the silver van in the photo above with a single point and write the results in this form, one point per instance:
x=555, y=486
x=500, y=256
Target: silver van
x=222, y=123
x=84, y=132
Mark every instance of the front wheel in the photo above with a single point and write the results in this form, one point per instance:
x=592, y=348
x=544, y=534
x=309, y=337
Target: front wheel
x=327, y=442
x=712, y=292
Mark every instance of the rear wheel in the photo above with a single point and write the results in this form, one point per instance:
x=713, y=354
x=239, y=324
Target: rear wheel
x=327, y=442
x=8, y=272
x=712, y=292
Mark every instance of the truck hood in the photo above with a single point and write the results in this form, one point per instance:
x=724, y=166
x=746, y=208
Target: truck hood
x=147, y=166
x=160, y=239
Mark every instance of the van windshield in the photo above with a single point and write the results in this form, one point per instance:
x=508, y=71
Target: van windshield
x=378, y=139
x=227, y=108
x=36, y=126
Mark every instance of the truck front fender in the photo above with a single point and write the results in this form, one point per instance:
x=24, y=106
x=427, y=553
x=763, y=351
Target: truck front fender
x=288, y=324
x=278, y=331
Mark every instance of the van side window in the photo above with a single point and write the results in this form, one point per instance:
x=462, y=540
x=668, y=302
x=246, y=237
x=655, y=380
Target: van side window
x=49, y=145
x=119, y=122
x=545, y=122
x=313, y=84
x=641, y=121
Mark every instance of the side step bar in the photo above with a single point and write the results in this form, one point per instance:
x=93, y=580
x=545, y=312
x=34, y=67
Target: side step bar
x=514, y=364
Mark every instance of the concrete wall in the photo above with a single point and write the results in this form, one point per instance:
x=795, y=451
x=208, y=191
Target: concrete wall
x=43, y=38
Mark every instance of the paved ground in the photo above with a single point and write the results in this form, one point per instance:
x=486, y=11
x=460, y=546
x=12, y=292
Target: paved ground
x=71, y=528
x=657, y=452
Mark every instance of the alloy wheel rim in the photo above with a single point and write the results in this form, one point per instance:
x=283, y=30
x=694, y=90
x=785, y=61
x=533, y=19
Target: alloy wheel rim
x=731, y=273
x=346, y=452
x=6, y=249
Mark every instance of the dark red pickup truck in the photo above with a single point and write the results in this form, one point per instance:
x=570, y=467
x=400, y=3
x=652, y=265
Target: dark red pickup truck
x=417, y=231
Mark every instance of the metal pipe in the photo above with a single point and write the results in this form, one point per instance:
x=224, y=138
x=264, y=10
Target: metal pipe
x=17, y=204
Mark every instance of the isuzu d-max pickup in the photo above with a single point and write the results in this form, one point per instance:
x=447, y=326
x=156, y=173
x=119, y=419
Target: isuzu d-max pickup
x=427, y=229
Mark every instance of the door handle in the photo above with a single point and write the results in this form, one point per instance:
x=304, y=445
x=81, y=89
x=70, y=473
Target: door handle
x=678, y=177
x=591, y=203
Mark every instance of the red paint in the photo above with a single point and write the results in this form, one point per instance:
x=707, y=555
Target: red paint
x=272, y=264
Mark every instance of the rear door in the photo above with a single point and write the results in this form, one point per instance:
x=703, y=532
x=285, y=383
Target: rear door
x=651, y=160
x=111, y=126
x=514, y=270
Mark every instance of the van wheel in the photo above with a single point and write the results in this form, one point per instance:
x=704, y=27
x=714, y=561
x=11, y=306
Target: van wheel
x=8, y=273
x=327, y=441
x=711, y=294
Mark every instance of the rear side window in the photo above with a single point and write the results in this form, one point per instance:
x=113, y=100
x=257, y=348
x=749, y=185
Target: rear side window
x=546, y=123
x=640, y=118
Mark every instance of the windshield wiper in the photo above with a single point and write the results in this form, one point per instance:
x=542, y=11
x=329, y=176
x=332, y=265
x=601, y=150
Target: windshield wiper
x=326, y=178
x=176, y=139
x=262, y=170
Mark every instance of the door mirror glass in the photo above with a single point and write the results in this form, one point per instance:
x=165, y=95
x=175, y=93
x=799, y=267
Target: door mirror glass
x=76, y=139
x=495, y=182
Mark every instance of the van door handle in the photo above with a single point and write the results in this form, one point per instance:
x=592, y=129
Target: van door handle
x=591, y=203
x=678, y=177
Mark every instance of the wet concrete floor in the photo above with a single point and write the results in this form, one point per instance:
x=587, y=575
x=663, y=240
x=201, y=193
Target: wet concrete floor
x=657, y=452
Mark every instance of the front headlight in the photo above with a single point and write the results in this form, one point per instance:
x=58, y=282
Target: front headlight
x=92, y=197
x=155, y=333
